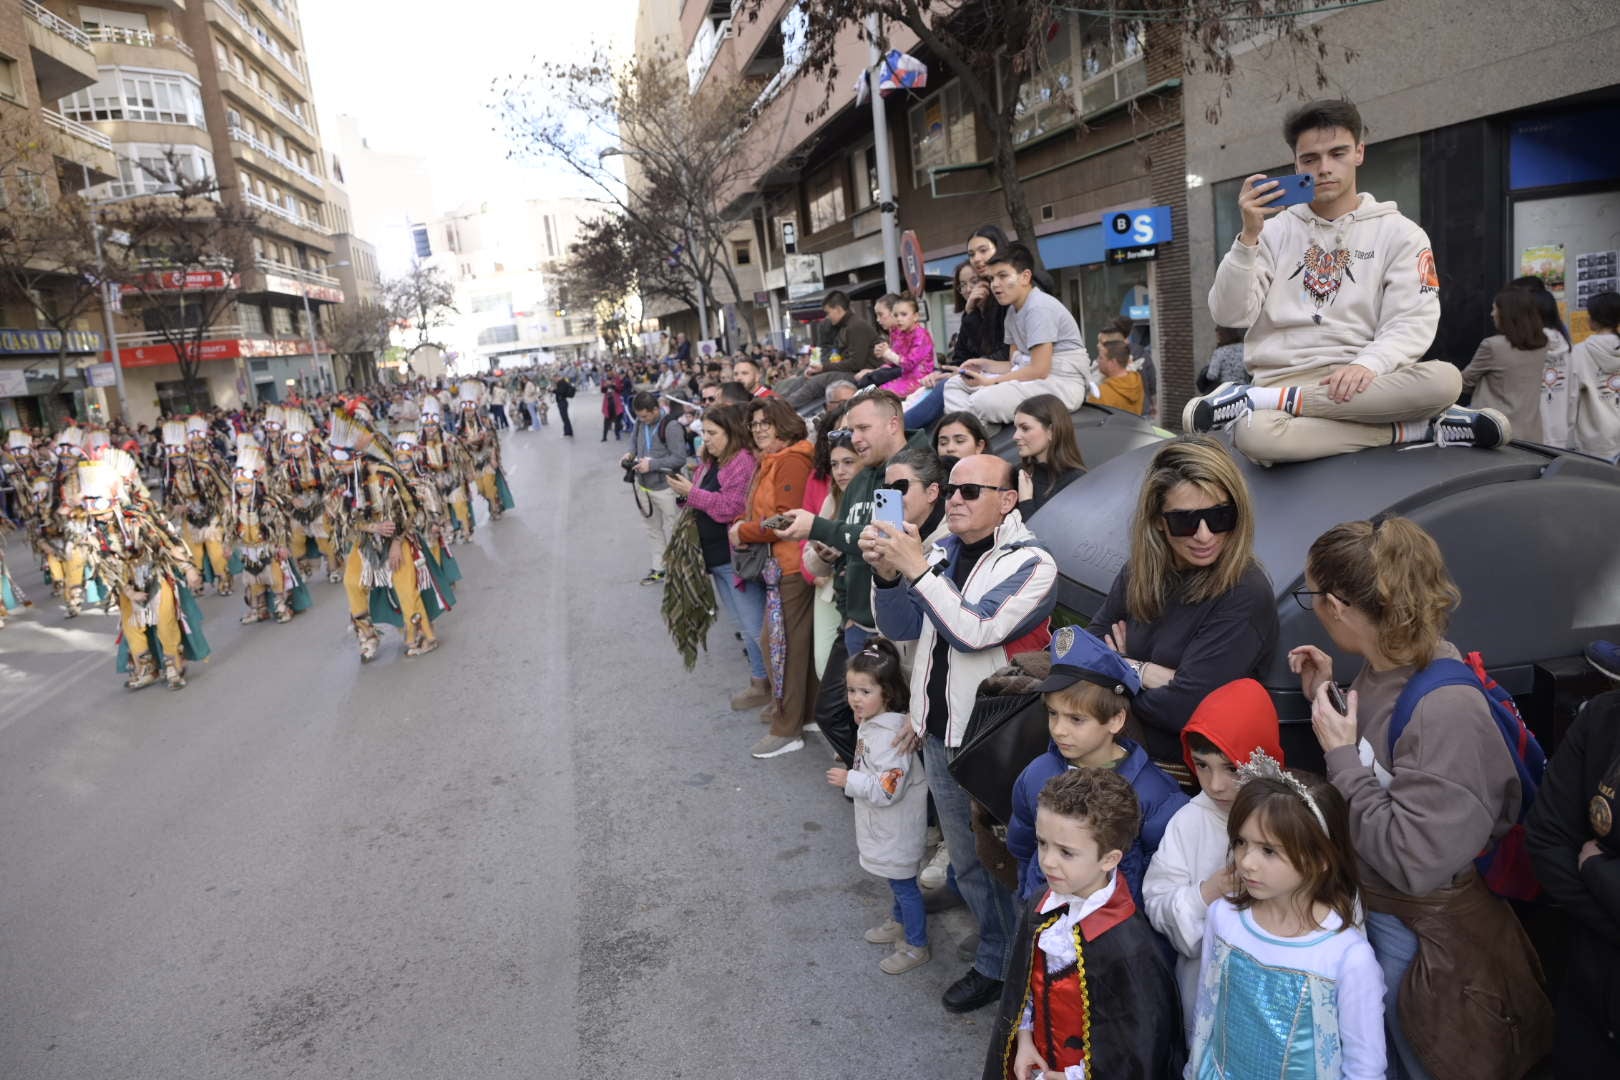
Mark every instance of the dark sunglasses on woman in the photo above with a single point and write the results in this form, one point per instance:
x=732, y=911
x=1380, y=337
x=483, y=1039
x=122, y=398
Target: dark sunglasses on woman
x=841, y=437
x=1182, y=523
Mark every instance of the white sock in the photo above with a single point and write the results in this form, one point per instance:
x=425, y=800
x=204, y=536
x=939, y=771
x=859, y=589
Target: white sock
x=1277, y=398
x=1411, y=431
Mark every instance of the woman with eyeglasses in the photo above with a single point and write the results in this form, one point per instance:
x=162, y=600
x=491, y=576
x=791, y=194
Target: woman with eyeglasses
x=1192, y=609
x=1049, y=456
x=835, y=465
x=1424, y=802
x=718, y=494
x=785, y=459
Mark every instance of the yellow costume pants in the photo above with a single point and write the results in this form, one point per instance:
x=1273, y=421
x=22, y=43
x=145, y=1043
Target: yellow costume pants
x=405, y=587
x=323, y=544
x=168, y=624
x=487, y=488
x=461, y=511
x=68, y=572
x=278, y=585
x=215, y=551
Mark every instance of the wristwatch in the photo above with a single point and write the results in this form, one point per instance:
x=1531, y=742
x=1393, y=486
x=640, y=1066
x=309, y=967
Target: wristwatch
x=1136, y=665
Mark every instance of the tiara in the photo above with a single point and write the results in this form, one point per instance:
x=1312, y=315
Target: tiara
x=1262, y=766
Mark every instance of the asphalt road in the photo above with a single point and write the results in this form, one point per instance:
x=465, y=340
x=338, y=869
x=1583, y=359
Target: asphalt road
x=541, y=852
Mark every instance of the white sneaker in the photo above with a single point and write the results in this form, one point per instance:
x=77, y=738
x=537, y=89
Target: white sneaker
x=1217, y=409
x=775, y=746
x=1458, y=426
x=933, y=875
x=813, y=728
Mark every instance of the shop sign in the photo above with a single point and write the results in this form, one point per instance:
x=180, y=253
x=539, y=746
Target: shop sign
x=46, y=342
x=803, y=276
x=293, y=287
x=13, y=383
x=103, y=375
x=158, y=355
x=183, y=281
x=1125, y=256
x=1131, y=236
x=258, y=348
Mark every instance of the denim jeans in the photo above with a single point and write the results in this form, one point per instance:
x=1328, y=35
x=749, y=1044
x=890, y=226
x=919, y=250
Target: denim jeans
x=908, y=910
x=1395, y=947
x=928, y=410
x=746, y=606
x=989, y=900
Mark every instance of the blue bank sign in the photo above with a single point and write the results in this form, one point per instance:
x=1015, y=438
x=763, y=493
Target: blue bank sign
x=1135, y=235
x=35, y=342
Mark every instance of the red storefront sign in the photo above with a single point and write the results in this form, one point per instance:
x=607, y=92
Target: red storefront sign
x=186, y=281
x=136, y=356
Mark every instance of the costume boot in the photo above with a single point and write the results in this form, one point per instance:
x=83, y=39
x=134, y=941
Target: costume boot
x=284, y=612
x=142, y=671
x=75, y=600
x=222, y=585
x=422, y=639
x=174, y=673
x=258, y=607
x=367, y=635
x=757, y=694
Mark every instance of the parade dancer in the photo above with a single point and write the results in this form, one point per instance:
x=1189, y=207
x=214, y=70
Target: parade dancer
x=30, y=476
x=261, y=524
x=444, y=456
x=433, y=522
x=310, y=482
x=12, y=598
x=389, y=573
x=65, y=559
x=195, y=496
x=483, y=443
x=149, y=568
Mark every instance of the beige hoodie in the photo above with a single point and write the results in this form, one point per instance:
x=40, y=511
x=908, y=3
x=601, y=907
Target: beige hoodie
x=1316, y=293
x=1594, y=372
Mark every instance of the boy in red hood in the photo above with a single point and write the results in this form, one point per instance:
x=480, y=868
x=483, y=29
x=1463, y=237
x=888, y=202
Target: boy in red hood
x=1192, y=867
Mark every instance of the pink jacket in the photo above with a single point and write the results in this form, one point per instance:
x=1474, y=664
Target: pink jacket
x=727, y=504
x=915, y=347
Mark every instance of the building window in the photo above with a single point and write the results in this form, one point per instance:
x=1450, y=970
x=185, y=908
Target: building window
x=498, y=335
x=143, y=168
x=1092, y=62
x=825, y=193
x=864, y=174
x=251, y=318
x=8, y=78
x=164, y=97
x=741, y=253
x=281, y=321
x=943, y=132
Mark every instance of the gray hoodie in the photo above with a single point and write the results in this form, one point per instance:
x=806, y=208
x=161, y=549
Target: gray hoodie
x=665, y=444
x=1595, y=385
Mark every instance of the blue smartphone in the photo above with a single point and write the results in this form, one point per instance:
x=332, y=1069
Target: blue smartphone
x=887, y=506
x=1296, y=188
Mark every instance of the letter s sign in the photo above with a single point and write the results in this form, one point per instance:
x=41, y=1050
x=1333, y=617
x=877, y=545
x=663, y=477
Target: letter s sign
x=1142, y=229
x=1136, y=228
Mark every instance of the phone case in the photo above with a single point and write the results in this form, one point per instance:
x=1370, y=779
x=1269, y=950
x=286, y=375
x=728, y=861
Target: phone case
x=1296, y=188
x=887, y=506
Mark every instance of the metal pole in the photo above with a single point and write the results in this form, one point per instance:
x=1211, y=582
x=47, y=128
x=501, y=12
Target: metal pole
x=314, y=349
x=702, y=294
x=880, y=140
x=106, y=302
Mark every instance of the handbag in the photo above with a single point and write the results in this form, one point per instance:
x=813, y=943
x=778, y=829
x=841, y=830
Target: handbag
x=749, y=562
x=1004, y=734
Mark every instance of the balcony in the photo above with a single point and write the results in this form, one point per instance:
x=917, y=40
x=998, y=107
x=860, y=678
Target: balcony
x=84, y=146
x=263, y=104
x=144, y=39
x=64, y=62
x=296, y=281
x=291, y=217
x=264, y=42
x=314, y=184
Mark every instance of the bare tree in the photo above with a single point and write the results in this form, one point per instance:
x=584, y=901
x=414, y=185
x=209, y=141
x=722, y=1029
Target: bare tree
x=48, y=256
x=360, y=331
x=422, y=299
x=997, y=50
x=188, y=247
x=694, y=170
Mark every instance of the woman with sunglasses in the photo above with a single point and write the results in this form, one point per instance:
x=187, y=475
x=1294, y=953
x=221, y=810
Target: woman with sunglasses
x=785, y=459
x=1424, y=802
x=1049, y=456
x=1192, y=609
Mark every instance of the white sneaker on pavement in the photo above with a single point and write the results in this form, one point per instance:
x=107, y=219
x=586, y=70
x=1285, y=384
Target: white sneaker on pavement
x=775, y=746
x=933, y=875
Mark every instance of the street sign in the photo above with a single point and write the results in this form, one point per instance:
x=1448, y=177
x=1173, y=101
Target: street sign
x=911, y=261
x=804, y=278
x=1136, y=228
x=1125, y=256
x=102, y=375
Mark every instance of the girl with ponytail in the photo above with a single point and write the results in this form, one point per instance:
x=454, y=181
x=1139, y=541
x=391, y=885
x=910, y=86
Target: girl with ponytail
x=1422, y=807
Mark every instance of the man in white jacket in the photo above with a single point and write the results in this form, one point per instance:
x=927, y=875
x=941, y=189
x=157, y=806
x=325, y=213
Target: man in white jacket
x=1341, y=299
x=967, y=601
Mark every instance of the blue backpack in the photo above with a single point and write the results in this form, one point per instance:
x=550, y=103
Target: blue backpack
x=1505, y=865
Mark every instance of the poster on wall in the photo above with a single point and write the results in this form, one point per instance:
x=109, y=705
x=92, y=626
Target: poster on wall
x=1545, y=261
x=1595, y=272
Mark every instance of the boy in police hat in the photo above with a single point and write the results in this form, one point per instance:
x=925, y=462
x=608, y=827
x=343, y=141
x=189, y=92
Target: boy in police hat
x=1088, y=698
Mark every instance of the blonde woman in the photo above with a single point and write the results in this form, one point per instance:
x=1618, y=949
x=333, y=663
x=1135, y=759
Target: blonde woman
x=1192, y=609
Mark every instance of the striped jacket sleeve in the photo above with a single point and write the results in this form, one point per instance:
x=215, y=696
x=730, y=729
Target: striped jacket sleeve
x=1010, y=609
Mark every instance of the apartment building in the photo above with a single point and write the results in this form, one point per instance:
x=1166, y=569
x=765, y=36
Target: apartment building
x=355, y=266
x=1491, y=126
x=222, y=86
x=44, y=58
x=1119, y=148
x=511, y=304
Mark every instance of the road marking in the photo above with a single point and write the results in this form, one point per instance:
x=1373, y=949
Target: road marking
x=49, y=687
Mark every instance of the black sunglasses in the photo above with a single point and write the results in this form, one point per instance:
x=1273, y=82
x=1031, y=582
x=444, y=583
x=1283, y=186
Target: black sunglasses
x=841, y=437
x=969, y=492
x=1220, y=519
x=901, y=485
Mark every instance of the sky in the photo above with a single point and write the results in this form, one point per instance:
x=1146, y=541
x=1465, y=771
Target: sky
x=417, y=78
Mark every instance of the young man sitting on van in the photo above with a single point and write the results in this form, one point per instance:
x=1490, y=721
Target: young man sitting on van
x=1341, y=299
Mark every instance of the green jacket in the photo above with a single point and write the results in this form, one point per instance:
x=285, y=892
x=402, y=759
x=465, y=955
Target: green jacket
x=852, y=589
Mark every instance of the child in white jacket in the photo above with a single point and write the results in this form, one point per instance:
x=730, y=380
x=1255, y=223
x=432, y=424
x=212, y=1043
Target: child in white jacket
x=1192, y=867
x=1341, y=298
x=891, y=799
x=1595, y=378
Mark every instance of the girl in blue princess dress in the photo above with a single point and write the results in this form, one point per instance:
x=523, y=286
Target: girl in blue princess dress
x=1289, y=988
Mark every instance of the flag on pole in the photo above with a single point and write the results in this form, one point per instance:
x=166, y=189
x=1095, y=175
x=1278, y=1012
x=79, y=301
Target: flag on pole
x=900, y=72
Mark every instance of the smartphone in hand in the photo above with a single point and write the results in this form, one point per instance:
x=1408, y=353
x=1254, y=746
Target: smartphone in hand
x=777, y=521
x=1296, y=188
x=1336, y=699
x=887, y=505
